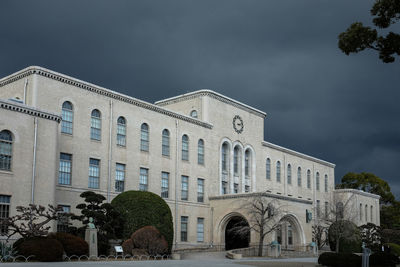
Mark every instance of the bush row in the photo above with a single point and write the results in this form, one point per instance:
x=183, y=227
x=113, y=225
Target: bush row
x=381, y=259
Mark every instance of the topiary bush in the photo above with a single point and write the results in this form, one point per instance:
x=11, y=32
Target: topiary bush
x=73, y=245
x=350, y=237
x=151, y=240
x=339, y=259
x=139, y=209
x=383, y=259
x=43, y=248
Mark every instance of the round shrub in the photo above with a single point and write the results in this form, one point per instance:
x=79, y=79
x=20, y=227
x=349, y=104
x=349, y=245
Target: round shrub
x=73, y=245
x=127, y=246
x=383, y=259
x=350, y=240
x=151, y=240
x=43, y=248
x=139, y=209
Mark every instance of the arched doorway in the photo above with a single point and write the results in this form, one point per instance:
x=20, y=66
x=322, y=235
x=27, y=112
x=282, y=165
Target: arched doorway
x=237, y=233
x=290, y=233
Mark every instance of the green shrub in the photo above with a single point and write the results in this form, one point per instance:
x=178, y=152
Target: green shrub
x=350, y=240
x=395, y=249
x=328, y=259
x=383, y=259
x=140, y=209
x=43, y=248
x=339, y=259
x=73, y=245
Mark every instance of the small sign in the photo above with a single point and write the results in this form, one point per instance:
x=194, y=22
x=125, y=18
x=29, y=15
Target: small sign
x=118, y=249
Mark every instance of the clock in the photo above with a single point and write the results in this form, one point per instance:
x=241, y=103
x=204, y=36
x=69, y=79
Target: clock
x=238, y=124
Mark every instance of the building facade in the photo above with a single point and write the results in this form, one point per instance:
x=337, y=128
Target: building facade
x=202, y=152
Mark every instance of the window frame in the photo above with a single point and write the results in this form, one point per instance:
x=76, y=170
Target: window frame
x=200, y=190
x=67, y=113
x=60, y=172
x=278, y=171
x=165, y=143
x=299, y=178
x=120, y=173
x=5, y=204
x=289, y=174
x=185, y=147
x=164, y=189
x=95, y=126
x=144, y=137
x=268, y=169
x=121, y=132
x=200, y=230
x=93, y=180
x=200, y=152
x=184, y=187
x=143, y=179
x=184, y=228
x=6, y=160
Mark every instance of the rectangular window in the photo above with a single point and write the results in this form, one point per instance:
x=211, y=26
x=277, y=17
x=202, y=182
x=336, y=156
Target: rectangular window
x=65, y=170
x=224, y=188
x=184, y=228
x=318, y=209
x=200, y=229
x=164, y=184
x=119, y=177
x=326, y=183
x=66, y=123
x=246, y=188
x=144, y=175
x=235, y=188
x=4, y=211
x=184, y=187
x=95, y=129
x=121, y=134
x=94, y=173
x=200, y=190
x=63, y=222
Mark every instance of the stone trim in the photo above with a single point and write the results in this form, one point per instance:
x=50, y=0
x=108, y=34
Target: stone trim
x=247, y=195
x=297, y=154
x=356, y=191
x=212, y=94
x=5, y=104
x=99, y=90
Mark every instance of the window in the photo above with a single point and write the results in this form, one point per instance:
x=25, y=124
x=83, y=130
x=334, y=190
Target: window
x=67, y=117
x=372, y=211
x=94, y=173
x=366, y=213
x=119, y=177
x=361, y=217
x=290, y=234
x=144, y=137
x=65, y=170
x=326, y=183
x=247, y=163
x=200, y=190
x=278, y=171
x=165, y=142
x=318, y=209
x=4, y=211
x=235, y=188
x=164, y=184
x=5, y=150
x=95, y=125
x=340, y=210
x=317, y=181
x=236, y=161
x=62, y=221
x=121, y=131
x=224, y=157
x=308, y=179
x=184, y=187
x=200, y=152
x=268, y=169
x=200, y=229
x=185, y=147
x=298, y=176
x=193, y=114
x=289, y=174
x=184, y=228
x=326, y=209
x=224, y=188
x=246, y=188
x=143, y=183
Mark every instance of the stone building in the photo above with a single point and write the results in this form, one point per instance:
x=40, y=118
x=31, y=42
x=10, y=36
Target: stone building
x=202, y=152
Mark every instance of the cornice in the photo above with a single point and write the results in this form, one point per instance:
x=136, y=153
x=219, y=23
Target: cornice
x=99, y=90
x=212, y=94
x=249, y=195
x=6, y=104
x=356, y=191
x=297, y=154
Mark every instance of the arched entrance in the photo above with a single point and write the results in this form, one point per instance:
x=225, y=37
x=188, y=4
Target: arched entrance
x=237, y=233
x=290, y=233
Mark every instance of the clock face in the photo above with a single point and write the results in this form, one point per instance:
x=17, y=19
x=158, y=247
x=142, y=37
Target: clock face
x=238, y=124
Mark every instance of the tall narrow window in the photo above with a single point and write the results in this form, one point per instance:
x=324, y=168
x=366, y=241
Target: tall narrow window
x=67, y=117
x=184, y=187
x=326, y=183
x=236, y=161
x=4, y=212
x=247, y=160
x=361, y=212
x=95, y=125
x=317, y=181
x=298, y=176
x=200, y=152
x=200, y=229
x=185, y=147
x=94, y=173
x=144, y=137
x=224, y=188
x=371, y=214
x=119, y=177
x=235, y=188
x=366, y=213
x=278, y=171
x=326, y=209
x=165, y=142
x=121, y=131
x=308, y=179
x=144, y=179
x=318, y=208
x=289, y=174
x=65, y=170
x=224, y=157
x=200, y=190
x=246, y=189
x=63, y=219
x=184, y=228
x=164, y=184
x=5, y=150
x=268, y=169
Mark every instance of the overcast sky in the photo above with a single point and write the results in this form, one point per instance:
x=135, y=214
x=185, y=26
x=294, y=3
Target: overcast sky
x=278, y=56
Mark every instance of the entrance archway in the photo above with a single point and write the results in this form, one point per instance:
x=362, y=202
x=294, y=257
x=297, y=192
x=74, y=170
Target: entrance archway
x=237, y=233
x=290, y=233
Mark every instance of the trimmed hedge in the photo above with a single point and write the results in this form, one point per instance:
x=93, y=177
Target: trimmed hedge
x=383, y=259
x=73, y=245
x=351, y=242
x=43, y=248
x=151, y=240
x=339, y=259
x=139, y=209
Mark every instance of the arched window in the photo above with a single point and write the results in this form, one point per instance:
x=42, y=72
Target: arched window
x=366, y=212
x=278, y=171
x=121, y=132
x=247, y=162
x=236, y=161
x=340, y=210
x=308, y=179
x=200, y=152
x=5, y=150
x=224, y=157
x=95, y=125
x=185, y=147
x=317, y=181
x=193, y=114
x=268, y=169
x=371, y=214
x=165, y=142
x=144, y=137
x=326, y=183
x=289, y=174
x=299, y=176
x=361, y=217
x=67, y=117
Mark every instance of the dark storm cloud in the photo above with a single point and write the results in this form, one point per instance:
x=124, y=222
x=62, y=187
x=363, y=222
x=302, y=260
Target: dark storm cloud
x=278, y=56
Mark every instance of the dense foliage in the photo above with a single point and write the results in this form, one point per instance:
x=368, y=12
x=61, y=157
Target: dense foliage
x=371, y=236
x=349, y=238
x=139, y=209
x=73, y=245
x=339, y=259
x=383, y=259
x=43, y=248
x=151, y=240
x=394, y=248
